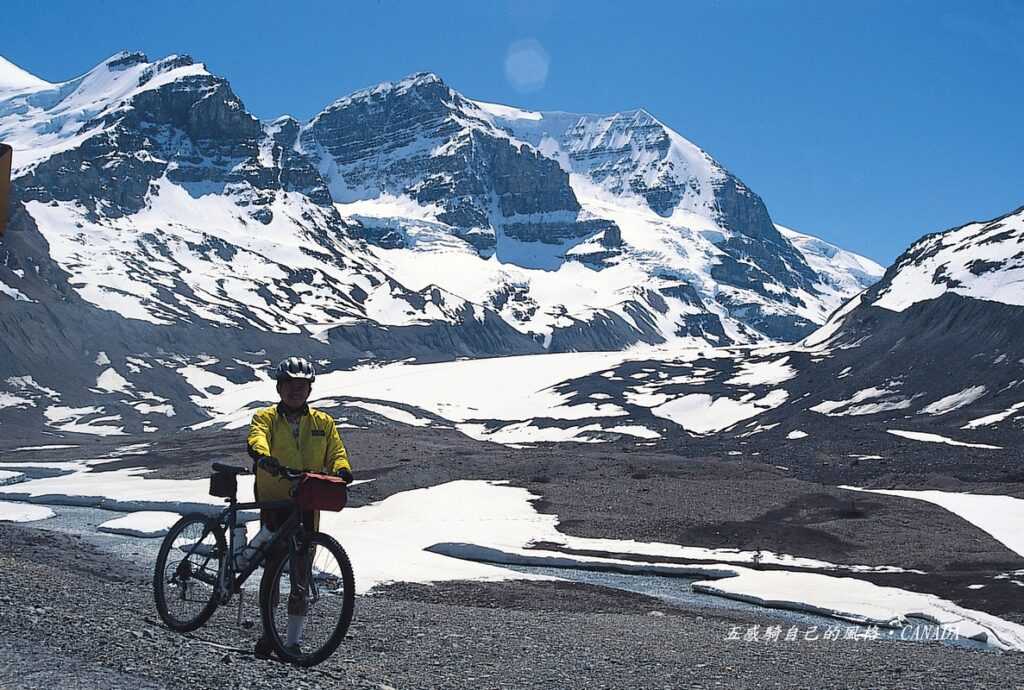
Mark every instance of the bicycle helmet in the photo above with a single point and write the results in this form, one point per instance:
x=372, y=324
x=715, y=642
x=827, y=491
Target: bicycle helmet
x=296, y=368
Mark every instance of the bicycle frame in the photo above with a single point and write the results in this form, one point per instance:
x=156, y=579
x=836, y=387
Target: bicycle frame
x=230, y=580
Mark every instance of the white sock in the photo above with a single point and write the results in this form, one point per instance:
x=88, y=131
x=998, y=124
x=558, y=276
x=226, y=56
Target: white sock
x=296, y=624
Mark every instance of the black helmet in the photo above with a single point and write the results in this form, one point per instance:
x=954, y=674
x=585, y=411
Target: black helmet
x=296, y=368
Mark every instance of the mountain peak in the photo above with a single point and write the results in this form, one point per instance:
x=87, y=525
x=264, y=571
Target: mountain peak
x=283, y=120
x=641, y=116
x=124, y=59
x=413, y=82
x=419, y=79
x=14, y=78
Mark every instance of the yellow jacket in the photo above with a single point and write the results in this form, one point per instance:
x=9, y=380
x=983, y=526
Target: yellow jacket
x=319, y=447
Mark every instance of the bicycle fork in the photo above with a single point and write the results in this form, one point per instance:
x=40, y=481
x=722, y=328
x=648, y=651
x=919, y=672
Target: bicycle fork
x=224, y=580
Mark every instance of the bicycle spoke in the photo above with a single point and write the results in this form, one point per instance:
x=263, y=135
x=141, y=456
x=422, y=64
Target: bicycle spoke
x=189, y=574
x=317, y=592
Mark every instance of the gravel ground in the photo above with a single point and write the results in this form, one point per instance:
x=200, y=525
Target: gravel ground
x=73, y=617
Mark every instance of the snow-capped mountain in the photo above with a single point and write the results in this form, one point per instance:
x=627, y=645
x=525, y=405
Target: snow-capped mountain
x=635, y=235
x=980, y=261
x=934, y=350
x=157, y=221
x=983, y=261
x=167, y=202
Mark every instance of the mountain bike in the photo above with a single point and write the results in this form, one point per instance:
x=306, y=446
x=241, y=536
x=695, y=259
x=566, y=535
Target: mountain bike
x=203, y=562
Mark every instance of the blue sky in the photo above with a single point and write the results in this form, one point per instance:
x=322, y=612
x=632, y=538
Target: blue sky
x=866, y=123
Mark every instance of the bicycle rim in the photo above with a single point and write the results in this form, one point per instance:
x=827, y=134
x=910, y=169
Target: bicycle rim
x=187, y=567
x=327, y=601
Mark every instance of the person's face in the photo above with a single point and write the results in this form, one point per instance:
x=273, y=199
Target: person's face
x=294, y=392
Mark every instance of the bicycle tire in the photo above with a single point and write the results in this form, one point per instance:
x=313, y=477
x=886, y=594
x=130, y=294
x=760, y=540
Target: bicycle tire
x=192, y=566
x=269, y=607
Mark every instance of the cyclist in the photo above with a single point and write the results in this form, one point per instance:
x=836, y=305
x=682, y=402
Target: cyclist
x=294, y=435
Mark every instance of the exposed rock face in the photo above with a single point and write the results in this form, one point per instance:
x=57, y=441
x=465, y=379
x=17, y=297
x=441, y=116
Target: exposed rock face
x=757, y=256
x=633, y=154
x=628, y=152
x=296, y=171
x=420, y=139
x=180, y=122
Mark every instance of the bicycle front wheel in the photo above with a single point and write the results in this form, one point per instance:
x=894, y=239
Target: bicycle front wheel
x=187, y=569
x=314, y=596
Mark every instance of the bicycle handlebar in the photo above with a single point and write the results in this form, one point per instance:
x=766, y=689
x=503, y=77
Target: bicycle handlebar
x=275, y=468
x=270, y=465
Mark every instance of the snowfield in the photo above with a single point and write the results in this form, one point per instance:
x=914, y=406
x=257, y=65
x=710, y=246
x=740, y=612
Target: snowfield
x=522, y=393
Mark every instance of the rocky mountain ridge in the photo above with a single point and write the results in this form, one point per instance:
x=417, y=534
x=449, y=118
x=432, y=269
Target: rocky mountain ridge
x=931, y=354
x=157, y=220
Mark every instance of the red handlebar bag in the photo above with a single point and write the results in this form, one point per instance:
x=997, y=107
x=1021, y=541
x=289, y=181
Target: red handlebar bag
x=321, y=492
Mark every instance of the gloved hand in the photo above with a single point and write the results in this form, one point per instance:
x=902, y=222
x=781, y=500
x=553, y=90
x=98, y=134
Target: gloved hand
x=269, y=464
x=345, y=474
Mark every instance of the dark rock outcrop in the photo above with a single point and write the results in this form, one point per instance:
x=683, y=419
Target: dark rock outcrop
x=421, y=139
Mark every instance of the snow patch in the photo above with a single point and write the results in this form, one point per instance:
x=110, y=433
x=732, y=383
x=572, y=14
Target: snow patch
x=7, y=477
x=22, y=512
x=703, y=414
x=14, y=293
x=11, y=400
x=955, y=401
x=112, y=382
x=856, y=405
x=144, y=523
x=994, y=418
x=935, y=438
x=389, y=412
x=763, y=373
x=70, y=419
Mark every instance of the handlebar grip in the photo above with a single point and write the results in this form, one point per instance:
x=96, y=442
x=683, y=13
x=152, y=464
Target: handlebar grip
x=274, y=467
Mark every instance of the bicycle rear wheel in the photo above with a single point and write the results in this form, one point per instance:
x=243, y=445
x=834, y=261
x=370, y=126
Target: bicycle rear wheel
x=187, y=569
x=322, y=586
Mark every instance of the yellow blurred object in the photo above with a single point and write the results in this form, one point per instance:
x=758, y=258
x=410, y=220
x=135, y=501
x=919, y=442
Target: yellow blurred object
x=5, y=183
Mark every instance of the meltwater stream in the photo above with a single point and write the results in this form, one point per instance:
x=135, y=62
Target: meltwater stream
x=678, y=590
